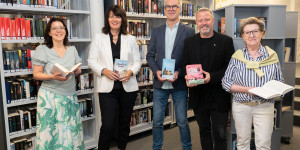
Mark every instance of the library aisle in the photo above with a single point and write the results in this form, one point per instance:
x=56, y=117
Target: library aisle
x=143, y=141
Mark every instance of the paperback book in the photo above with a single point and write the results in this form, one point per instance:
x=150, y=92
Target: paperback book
x=120, y=67
x=64, y=72
x=194, y=74
x=168, y=68
x=272, y=89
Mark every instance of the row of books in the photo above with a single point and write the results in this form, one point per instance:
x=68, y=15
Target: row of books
x=142, y=6
x=84, y=81
x=86, y=107
x=143, y=49
x=17, y=60
x=53, y=4
x=20, y=89
x=22, y=120
x=144, y=97
x=141, y=116
x=237, y=24
x=188, y=9
x=31, y=27
x=24, y=143
x=155, y=7
x=139, y=29
x=145, y=75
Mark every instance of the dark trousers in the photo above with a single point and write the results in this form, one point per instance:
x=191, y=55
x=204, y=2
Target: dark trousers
x=212, y=127
x=120, y=101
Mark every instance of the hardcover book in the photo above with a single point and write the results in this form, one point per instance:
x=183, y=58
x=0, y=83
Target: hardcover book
x=168, y=68
x=194, y=74
x=272, y=89
x=64, y=72
x=120, y=67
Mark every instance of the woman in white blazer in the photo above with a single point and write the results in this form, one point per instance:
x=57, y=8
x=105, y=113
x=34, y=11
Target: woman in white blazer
x=116, y=94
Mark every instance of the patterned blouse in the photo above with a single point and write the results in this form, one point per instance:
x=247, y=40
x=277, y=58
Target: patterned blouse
x=237, y=73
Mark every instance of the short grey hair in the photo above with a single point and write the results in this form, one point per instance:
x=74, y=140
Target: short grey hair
x=205, y=9
x=176, y=0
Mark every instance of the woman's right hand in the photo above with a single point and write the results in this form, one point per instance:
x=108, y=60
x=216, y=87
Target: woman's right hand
x=110, y=74
x=57, y=76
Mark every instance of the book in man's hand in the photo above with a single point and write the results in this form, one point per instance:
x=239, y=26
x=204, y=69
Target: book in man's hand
x=64, y=72
x=194, y=74
x=168, y=68
x=272, y=89
x=120, y=67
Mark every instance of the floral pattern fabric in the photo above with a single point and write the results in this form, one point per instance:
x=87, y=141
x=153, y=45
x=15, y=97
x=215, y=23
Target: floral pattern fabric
x=58, y=125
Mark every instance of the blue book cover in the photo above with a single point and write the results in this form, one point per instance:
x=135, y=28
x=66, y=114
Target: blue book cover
x=168, y=68
x=190, y=10
x=120, y=67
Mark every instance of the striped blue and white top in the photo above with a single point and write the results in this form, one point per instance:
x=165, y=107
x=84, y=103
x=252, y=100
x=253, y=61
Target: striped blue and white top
x=237, y=73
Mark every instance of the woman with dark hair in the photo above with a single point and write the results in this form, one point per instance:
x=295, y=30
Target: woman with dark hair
x=252, y=66
x=116, y=94
x=58, y=116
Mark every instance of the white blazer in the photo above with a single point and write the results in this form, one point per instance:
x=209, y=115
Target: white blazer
x=100, y=57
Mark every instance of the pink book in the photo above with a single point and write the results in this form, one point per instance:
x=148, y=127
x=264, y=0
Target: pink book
x=195, y=74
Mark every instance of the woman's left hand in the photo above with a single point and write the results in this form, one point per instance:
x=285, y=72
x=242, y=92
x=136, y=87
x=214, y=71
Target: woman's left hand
x=77, y=72
x=127, y=76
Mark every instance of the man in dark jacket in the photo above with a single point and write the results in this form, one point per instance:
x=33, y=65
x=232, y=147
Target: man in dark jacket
x=209, y=101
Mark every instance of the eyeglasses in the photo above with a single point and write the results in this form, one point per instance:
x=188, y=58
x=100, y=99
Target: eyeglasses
x=174, y=7
x=254, y=32
x=57, y=28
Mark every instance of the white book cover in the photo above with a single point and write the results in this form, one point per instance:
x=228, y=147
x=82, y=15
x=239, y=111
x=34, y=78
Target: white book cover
x=64, y=72
x=120, y=67
x=271, y=89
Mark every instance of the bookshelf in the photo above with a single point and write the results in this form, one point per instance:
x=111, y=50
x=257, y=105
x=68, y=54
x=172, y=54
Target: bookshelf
x=152, y=19
x=289, y=75
x=275, y=39
x=79, y=13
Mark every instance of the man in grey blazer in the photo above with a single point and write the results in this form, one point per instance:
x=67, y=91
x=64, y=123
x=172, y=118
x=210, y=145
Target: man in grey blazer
x=167, y=42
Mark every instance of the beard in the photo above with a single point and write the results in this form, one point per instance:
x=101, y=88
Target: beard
x=205, y=32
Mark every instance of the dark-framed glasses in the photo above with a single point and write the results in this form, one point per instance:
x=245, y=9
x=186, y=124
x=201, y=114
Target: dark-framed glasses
x=173, y=7
x=254, y=32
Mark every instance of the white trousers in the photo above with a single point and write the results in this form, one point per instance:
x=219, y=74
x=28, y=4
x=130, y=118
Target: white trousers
x=262, y=117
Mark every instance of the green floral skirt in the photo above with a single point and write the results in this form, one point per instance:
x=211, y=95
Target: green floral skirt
x=58, y=125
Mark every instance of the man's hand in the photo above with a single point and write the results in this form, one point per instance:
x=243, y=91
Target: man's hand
x=110, y=74
x=125, y=78
x=158, y=74
x=207, y=77
x=187, y=82
x=175, y=77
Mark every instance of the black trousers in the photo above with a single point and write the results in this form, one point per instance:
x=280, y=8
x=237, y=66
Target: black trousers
x=212, y=127
x=123, y=102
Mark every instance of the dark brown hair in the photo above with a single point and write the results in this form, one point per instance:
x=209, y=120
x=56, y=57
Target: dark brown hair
x=252, y=20
x=48, y=39
x=117, y=11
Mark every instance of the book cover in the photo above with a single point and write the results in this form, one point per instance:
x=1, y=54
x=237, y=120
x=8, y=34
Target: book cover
x=195, y=74
x=287, y=52
x=23, y=28
x=120, y=67
x=64, y=72
x=264, y=21
x=271, y=89
x=168, y=68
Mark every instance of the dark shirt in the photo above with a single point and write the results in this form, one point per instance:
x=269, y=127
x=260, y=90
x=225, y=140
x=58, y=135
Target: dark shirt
x=115, y=48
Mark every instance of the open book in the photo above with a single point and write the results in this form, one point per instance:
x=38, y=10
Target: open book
x=64, y=72
x=272, y=89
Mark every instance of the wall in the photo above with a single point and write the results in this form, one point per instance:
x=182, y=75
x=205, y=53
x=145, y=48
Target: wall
x=222, y=3
x=297, y=3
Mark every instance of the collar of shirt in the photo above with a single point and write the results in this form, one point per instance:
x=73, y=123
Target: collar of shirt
x=175, y=25
x=262, y=51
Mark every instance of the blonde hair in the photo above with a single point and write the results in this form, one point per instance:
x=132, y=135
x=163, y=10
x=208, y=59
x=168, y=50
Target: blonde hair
x=205, y=9
x=252, y=20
